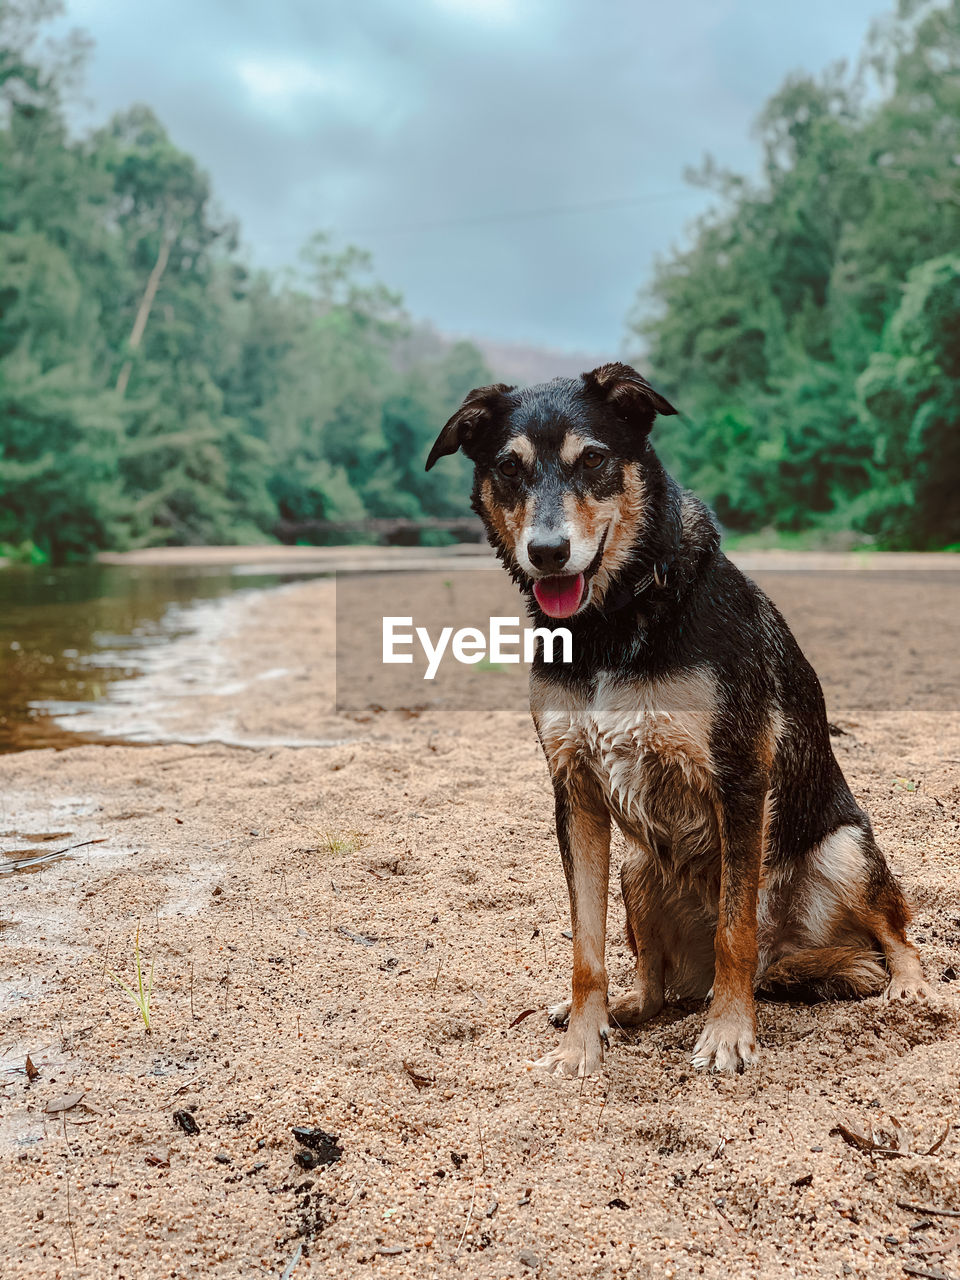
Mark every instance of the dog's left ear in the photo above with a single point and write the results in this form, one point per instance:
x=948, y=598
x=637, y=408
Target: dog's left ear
x=477, y=409
x=628, y=392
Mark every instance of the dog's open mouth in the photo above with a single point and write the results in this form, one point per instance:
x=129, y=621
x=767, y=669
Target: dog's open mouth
x=560, y=597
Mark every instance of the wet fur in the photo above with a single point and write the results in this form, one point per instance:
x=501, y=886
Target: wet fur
x=690, y=719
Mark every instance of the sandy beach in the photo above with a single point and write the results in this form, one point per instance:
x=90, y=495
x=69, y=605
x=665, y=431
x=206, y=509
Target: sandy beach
x=356, y=921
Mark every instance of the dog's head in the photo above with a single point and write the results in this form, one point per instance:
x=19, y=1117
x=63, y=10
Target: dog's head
x=561, y=478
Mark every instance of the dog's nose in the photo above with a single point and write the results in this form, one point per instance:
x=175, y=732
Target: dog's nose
x=549, y=556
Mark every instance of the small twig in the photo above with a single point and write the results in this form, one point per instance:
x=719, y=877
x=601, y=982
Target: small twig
x=192, y=1011
x=928, y=1208
x=727, y=1224
x=289, y=1268
x=186, y=1085
x=436, y=977
x=73, y=1238
x=82, y=845
x=555, y=907
x=483, y=1157
x=466, y=1225
x=945, y=1246
x=927, y=1275
x=583, y=1081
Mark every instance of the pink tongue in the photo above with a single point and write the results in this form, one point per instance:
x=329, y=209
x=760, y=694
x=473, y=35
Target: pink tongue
x=559, y=597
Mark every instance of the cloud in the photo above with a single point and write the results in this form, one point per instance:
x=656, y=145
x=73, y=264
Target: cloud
x=499, y=11
x=514, y=165
x=280, y=81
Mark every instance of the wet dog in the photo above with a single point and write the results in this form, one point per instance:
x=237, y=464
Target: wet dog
x=689, y=717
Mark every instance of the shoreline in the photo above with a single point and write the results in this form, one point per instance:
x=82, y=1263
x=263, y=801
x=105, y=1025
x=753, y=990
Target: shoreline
x=360, y=559
x=478, y=555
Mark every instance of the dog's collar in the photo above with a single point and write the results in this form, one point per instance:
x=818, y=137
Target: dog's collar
x=629, y=593
x=659, y=575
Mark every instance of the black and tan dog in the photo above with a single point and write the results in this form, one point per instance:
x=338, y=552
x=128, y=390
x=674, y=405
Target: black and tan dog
x=688, y=716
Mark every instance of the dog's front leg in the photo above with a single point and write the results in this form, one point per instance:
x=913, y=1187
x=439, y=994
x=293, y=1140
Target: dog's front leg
x=583, y=831
x=728, y=1041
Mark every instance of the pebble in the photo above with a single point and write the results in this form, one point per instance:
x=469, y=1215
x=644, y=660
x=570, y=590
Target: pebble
x=185, y=1121
x=323, y=1146
x=529, y=1259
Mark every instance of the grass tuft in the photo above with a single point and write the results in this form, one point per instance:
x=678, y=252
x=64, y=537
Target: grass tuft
x=338, y=842
x=144, y=990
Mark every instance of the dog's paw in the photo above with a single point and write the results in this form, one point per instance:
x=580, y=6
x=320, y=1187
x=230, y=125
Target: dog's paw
x=908, y=989
x=579, y=1053
x=634, y=1008
x=559, y=1014
x=726, y=1047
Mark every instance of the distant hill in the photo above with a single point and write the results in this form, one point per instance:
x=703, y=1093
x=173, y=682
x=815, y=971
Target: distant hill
x=523, y=363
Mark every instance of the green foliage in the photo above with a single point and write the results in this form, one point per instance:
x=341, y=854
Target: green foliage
x=909, y=397
x=809, y=330
x=153, y=390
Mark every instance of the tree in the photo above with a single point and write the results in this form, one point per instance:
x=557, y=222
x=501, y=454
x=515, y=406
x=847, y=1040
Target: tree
x=761, y=329
x=154, y=389
x=909, y=397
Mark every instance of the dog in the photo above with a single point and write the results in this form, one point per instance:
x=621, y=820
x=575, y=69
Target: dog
x=689, y=717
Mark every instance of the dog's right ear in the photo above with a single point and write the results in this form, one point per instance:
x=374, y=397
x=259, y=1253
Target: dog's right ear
x=477, y=410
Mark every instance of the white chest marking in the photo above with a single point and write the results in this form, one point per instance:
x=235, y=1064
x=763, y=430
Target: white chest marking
x=627, y=729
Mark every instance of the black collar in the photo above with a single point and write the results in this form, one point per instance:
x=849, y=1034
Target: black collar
x=629, y=593
x=659, y=575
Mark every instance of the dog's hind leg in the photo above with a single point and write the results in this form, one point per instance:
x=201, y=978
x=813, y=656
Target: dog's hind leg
x=641, y=883
x=852, y=896
x=888, y=919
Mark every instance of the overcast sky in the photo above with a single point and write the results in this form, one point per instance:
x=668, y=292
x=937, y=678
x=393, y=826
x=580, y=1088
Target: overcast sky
x=459, y=140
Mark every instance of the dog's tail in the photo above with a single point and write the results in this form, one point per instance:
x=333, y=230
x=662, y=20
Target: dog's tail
x=827, y=973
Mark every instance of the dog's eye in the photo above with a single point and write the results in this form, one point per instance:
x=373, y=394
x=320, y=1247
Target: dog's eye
x=509, y=468
x=593, y=458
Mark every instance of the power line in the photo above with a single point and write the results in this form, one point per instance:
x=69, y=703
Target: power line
x=518, y=215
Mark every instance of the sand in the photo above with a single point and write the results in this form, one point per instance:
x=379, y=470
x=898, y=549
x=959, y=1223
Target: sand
x=363, y=937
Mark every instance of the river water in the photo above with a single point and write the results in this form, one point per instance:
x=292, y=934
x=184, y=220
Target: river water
x=68, y=635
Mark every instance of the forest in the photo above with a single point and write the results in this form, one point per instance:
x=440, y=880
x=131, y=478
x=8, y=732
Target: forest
x=810, y=331
x=155, y=388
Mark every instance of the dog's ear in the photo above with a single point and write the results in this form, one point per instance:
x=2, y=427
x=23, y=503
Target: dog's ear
x=628, y=392
x=477, y=409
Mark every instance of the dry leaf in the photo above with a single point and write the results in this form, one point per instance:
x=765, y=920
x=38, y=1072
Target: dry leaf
x=64, y=1103
x=158, y=1156
x=888, y=1139
x=940, y=1141
x=520, y=1017
x=31, y=1070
